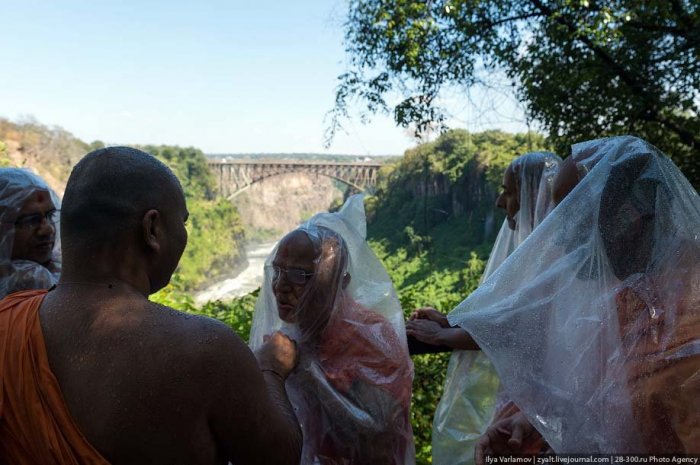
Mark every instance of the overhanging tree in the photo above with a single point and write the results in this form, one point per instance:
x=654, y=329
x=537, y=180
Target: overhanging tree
x=583, y=69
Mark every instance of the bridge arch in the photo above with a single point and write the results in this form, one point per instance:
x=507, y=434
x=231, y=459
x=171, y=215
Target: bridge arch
x=234, y=177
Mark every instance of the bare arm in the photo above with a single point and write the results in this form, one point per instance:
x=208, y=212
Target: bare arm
x=432, y=333
x=250, y=415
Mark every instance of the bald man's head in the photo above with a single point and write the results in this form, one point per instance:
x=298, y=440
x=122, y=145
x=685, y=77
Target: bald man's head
x=108, y=194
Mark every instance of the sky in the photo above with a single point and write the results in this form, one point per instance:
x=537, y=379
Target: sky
x=224, y=76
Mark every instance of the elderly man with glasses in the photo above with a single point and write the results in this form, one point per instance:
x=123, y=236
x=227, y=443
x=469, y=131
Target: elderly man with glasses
x=351, y=390
x=29, y=245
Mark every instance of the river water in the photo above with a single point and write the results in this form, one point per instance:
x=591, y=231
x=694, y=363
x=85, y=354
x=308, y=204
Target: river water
x=243, y=282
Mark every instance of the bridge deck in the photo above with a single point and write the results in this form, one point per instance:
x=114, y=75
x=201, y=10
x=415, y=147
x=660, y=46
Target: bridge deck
x=294, y=163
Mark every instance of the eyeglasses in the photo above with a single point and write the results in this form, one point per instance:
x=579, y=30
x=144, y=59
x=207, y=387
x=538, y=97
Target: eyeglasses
x=36, y=220
x=294, y=275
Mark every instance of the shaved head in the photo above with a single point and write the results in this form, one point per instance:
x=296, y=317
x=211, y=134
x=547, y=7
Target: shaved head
x=628, y=213
x=109, y=189
x=108, y=193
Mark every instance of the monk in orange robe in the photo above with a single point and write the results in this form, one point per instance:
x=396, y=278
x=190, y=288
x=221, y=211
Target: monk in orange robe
x=35, y=425
x=645, y=234
x=362, y=358
x=658, y=306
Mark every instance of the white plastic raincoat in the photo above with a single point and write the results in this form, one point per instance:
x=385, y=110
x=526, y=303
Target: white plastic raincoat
x=16, y=186
x=468, y=401
x=352, y=388
x=593, y=323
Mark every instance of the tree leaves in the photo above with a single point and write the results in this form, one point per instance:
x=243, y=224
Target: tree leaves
x=584, y=69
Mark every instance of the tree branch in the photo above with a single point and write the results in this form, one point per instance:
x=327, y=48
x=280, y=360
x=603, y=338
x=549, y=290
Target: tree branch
x=490, y=24
x=636, y=86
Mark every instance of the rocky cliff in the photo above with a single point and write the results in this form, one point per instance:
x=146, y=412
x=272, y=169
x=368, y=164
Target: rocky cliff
x=277, y=205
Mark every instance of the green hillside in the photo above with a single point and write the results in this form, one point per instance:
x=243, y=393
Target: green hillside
x=215, y=228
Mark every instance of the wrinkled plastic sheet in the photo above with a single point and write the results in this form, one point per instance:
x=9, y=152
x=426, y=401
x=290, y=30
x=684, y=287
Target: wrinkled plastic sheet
x=471, y=393
x=593, y=323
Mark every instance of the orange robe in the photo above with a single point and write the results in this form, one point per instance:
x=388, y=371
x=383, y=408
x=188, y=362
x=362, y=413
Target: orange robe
x=660, y=346
x=35, y=425
x=360, y=346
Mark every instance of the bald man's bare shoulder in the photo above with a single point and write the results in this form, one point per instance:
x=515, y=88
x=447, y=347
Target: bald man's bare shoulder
x=195, y=334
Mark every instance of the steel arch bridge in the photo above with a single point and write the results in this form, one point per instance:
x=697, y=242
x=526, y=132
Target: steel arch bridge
x=234, y=177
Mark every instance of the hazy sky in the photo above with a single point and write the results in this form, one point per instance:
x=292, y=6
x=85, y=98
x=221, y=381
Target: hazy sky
x=224, y=76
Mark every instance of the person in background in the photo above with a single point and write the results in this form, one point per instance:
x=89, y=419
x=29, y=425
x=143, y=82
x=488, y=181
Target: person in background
x=469, y=401
x=92, y=372
x=352, y=388
x=607, y=361
x=29, y=244
x=509, y=426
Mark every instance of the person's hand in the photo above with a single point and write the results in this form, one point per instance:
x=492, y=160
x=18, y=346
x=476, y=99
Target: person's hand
x=429, y=313
x=513, y=435
x=426, y=331
x=278, y=354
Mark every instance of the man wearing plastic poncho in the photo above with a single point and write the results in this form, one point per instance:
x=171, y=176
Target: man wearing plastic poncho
x=469, y=400
x=351, y=390
x=29, y=246
x=593, y=324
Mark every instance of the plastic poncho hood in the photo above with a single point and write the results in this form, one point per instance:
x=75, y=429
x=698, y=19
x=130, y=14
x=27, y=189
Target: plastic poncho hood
x=534, y=173
x=16, y=186
x=352, y=387
x=469, y=397
x=593, y=323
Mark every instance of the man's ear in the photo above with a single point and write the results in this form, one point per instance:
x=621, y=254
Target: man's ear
x=346, y=279
x=152, y=229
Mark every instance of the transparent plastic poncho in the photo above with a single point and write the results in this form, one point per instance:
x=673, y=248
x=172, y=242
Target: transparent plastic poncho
x=351, y=390
x=593, y=323
x=16, y=186
x=469, y=398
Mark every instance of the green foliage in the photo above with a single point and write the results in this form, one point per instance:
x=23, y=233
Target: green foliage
x=215, y=237
x=584, y=69
x=428, y=383
x=214, y=227
x=427, y=226
x=190, y=166
x=4, y=160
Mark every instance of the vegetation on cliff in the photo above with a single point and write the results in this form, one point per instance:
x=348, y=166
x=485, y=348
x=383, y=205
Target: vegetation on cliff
x=432, y=223
x=215, y=231
x=50, y=150
x=215, y=228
